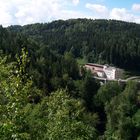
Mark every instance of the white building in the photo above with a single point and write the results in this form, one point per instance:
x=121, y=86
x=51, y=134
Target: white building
x=112, y=72
x=109, y=72
x=100, y=73
x=105, y=71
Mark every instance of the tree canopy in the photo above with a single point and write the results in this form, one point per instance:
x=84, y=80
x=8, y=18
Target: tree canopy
x=44, y=93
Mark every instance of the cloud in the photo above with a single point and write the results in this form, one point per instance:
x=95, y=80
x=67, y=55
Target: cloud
x=98, y=11
x=136, y=7
x=67, y=14
x=75, y=2
x=41, y=10
x=101, y=11
x=5, y=17
x=30, y=11
x=121, y=14
x=97, y=8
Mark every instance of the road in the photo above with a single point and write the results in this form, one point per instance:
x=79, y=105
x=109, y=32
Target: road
x=118, y=80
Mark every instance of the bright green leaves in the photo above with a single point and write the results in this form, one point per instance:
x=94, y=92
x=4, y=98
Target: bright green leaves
x=66, y=118
x=61, y=117
x=14, y=90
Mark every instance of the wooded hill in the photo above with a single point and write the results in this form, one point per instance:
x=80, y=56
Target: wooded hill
x=44, y=97
x=103, y=41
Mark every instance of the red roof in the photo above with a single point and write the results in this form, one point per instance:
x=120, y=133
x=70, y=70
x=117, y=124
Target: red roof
x=99, y=71
x=95, y=65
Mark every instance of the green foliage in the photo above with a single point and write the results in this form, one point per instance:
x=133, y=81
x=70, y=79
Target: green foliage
x=120, y=113
x=107, y=92
x=87, y=90
x=103, y=41
x=81, y=61
x=136, y=122
x=54, y=49
x=15, y=94
x=61, y=117
x=66, y=119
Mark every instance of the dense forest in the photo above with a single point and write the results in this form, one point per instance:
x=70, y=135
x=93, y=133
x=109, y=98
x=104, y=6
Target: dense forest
x=101, y=41
x=45, y=95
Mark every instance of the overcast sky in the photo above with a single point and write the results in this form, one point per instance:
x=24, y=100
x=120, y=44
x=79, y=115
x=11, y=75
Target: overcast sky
x=21, y=12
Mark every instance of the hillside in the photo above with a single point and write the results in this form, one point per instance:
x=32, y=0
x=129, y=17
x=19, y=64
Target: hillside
x=44, y=96
x=102, y=41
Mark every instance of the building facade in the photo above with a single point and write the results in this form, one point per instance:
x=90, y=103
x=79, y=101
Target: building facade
x=104, y=71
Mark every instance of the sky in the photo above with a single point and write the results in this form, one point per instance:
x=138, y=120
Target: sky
x=22, y=12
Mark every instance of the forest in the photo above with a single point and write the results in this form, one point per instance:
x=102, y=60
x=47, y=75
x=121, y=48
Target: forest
x=44, y=93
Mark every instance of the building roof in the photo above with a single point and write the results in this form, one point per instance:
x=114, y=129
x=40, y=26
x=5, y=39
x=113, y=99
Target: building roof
x=95, y=65
x=99, y=71
x=110, y=68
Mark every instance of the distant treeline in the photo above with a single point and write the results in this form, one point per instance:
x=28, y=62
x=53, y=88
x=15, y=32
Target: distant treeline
x=102, y=41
